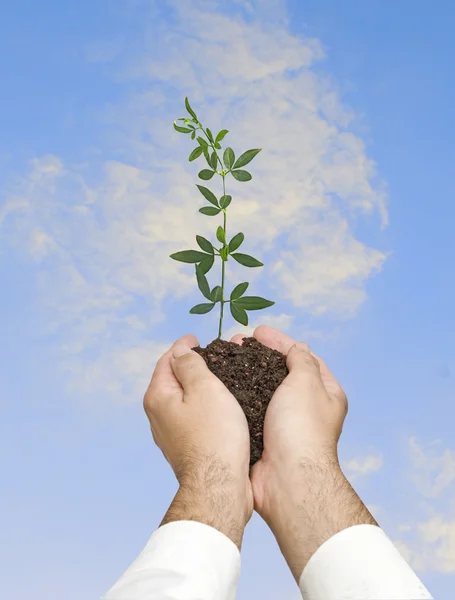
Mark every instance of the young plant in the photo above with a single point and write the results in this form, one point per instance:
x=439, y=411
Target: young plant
x=210, y=147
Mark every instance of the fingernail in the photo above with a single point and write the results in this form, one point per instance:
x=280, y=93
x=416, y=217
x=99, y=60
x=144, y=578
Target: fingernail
x=180, y=350
x=303, y=347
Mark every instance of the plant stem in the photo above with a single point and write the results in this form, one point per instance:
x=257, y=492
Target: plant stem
x=223, y=262
x=223, y=265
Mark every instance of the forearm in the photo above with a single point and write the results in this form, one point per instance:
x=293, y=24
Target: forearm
x=320, y=504
x=323, y=527
x=214, y=498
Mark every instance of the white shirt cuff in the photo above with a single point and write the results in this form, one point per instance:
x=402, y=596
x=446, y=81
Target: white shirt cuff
x=183, y=560
x=357, y=563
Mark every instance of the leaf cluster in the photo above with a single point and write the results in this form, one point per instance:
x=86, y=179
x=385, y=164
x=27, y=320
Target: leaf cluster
x=204, y=258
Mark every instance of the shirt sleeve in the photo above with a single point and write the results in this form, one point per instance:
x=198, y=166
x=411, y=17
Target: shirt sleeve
x=183, y=560
x=360, y=563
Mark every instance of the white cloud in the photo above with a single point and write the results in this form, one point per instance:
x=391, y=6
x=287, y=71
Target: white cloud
x=427, y=538
x=356, y=468
x=40, y=244
x=432, y=544
x=101, y=237
x=438, y=533
x=432, y=472
x=123, y=372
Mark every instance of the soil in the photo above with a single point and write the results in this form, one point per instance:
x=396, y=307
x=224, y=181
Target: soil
x=251, y=372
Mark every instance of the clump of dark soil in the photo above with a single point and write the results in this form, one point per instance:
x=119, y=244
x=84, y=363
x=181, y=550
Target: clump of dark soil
x=251, y=372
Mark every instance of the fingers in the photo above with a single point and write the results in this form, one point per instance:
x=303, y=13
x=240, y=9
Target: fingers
x=301, y=362
x=331, y=383
x=163, y=379
x=188, y=339
x=189, y=368
x=325, y=371
x=273, y=338
x=238, y=338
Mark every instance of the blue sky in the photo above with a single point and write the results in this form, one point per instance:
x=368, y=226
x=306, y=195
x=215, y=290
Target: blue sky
x=351, y=209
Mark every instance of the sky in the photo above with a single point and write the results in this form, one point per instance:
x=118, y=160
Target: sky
x=351, y=209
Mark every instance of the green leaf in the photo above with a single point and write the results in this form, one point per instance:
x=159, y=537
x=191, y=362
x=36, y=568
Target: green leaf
x=189, y=256
x=245, y=158
x=213, y=160
x=208, y=195
x=216, y=294
x=241, y=175
x=202, y=142
x=246, y=260
x=204, y=244
x=202, y=309
x=220, y=235
x=210, y=135
x=239, y=290
x=224, y=253
x=225, y=201
x=239, y=314
x=207, y=158
x=181, y=129
x=202, y=283
x=209, y=211
x=236, y=242
x=205, y=174
x=253, y=303
x=189, y=109
x=188, y=122
x=229, y=157
x=193, y=135
x=221, y=135
x=206, y=264
x=195, y=154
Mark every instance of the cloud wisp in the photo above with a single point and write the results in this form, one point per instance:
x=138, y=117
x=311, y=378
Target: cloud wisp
x=99, y=239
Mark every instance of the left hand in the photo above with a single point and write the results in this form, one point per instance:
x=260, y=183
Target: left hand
x=201, y=430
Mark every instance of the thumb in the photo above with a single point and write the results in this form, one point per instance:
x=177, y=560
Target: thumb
x=301, y=363
x=188, y=366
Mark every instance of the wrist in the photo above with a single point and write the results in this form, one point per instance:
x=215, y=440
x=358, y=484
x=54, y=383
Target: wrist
x=222, y=505
x=309, y=506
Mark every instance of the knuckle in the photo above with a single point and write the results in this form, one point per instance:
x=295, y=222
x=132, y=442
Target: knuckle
x=191, y=367
x=309, y=362
x=151, y=402
x=189, y=360
x=344, y=403
x=314, y=363
x=148, y=402
x=342, y=400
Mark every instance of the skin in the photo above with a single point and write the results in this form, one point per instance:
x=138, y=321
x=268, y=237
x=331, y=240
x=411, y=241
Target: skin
x=203, y=433
x=297, y=486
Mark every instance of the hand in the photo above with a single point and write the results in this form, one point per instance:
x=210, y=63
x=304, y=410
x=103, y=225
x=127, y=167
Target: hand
x=298, y=486
x=203, y=433
x=304, y=419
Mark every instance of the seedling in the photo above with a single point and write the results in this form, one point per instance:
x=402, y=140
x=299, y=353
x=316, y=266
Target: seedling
x=210, y=147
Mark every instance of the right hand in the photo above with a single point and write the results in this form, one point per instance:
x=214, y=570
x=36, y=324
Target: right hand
x=299, y=488
x=303, y=422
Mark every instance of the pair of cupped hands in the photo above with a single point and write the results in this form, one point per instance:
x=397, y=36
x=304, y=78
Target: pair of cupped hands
x=203, y=433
